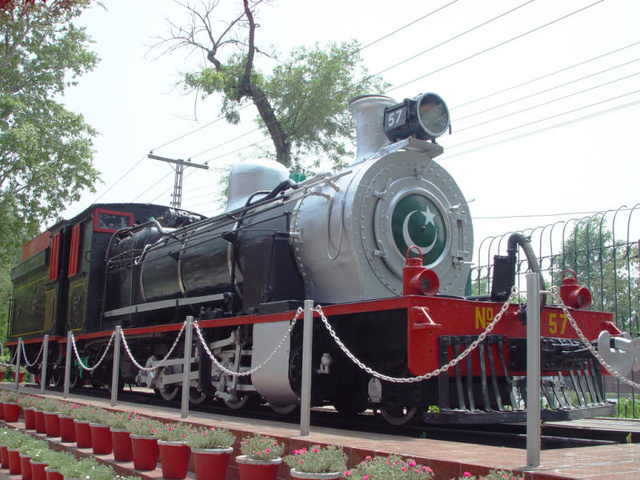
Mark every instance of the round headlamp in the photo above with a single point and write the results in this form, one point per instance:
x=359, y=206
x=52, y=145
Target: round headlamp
x=425, y=117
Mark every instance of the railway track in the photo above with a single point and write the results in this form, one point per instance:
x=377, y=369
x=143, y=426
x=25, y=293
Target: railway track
x=554, y=436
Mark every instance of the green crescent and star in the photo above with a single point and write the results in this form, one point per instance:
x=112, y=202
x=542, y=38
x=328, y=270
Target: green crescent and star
x=416, y=220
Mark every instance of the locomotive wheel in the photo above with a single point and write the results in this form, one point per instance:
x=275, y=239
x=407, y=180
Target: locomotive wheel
x=197, y=397
x=245, y=402
x=399, y=416
x=168, y=392
x=347, y=409
x=56, y=378
x=283, y=409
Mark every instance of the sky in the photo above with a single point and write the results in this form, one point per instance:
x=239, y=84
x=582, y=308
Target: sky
x=544, y=98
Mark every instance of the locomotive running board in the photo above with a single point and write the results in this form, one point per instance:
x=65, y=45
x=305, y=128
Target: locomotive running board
x=161, y=304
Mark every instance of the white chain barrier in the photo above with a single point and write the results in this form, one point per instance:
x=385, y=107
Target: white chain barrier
x=26, y=360
x=437, y=371
x=163, y=361
x=104, y=354
x=555, y=293
x=12, y=361
x=299, y=312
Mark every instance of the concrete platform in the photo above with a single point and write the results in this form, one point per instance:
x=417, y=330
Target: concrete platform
x=447, y=459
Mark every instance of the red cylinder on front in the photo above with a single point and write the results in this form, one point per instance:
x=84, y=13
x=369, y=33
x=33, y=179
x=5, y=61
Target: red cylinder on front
x=572, y=294
x=416, y=278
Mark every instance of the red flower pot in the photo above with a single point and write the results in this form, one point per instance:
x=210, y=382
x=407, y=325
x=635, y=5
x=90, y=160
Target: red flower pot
x=52, y=424
x=53, y=474
x=174, y=459
x=83, y=433
x=67, y=429
x=25, y=467
x=11, y=412
x=258, y=469
x=211, y=463
x=1, y=411
x=29, y=418
x=41, y=426
x=145, y=452
x=14, y=462
x=121, y=445
x=100, y=439
x=4, y=456
x=37, y=470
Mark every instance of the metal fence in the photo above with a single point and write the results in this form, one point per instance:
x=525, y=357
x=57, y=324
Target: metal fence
x=603, y=251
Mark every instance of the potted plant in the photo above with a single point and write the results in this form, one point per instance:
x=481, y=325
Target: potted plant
x=211, y=448
x=39, y=415
x=26, y=402
x=66, y=416
x=81, y=422
x=120, y=438
x=27, y=445
x=7, y=439
x=317, y=463
x=49, y=408
x=100, y=432
x=13, y=452
x=174, y=452
x=144, y=444
x=393, y=466
x=56, y=461
x=261, y=457
x=79, y=469
x=38, y=463
x=10, y=407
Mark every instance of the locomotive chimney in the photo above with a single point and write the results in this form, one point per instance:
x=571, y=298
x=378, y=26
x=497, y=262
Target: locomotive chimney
x=368, y=112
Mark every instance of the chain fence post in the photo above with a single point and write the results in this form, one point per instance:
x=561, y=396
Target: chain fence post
x=186, y=367
x=307, y=346
x=16, y=378
x=45, y=364
x=67, y=365
x=115, y=373
x=533, y=370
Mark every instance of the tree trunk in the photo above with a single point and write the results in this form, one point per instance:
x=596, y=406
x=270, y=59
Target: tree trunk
x=260, y=100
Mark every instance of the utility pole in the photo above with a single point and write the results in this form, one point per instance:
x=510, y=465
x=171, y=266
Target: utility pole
x=178, y=166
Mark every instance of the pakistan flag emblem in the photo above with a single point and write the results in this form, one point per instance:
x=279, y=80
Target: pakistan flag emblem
x=417, y=221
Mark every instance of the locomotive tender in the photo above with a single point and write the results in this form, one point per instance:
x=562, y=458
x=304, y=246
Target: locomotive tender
x=340, y=239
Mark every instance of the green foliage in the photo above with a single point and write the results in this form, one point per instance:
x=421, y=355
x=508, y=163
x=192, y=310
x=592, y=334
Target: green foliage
x=310, y=92
x=302, y=102
x=226, y=81
x=318, y=460
x=210, y=437
x=608, y=269
x=627, y=408
x=141, y=425
x=392, y=467
x=45, y=150
x=261, y=447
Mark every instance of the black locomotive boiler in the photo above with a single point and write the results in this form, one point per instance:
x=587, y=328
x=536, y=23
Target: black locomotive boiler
x=341, y=239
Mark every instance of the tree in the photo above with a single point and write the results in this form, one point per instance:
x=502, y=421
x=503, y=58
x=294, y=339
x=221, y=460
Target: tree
x=301, y=104
x=45, y=150
x=608, y=269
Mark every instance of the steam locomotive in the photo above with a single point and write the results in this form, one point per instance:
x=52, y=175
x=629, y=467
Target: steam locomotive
x=343, y=240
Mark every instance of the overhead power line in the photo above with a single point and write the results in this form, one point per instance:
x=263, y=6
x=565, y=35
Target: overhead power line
x=547, y=75
x=498, y=45
x=545, y=129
